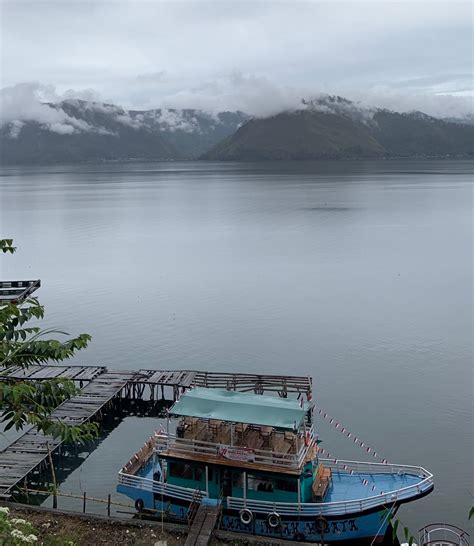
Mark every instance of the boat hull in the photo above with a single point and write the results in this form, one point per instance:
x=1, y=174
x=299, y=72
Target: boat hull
x=342, y=529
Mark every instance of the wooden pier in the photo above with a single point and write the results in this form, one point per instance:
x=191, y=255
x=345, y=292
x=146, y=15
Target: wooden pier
x=203, y=524
x=17, y=291
x=101, y=388
x=30, y=451
x=79, y=374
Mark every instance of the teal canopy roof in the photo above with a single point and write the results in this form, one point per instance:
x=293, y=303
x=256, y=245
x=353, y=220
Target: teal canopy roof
x=239, y=407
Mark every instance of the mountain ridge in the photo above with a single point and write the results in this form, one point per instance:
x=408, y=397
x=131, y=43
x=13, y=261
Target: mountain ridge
x=328, y=127
x=347, y=133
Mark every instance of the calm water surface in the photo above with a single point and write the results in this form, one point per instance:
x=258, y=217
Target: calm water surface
x=357, y=273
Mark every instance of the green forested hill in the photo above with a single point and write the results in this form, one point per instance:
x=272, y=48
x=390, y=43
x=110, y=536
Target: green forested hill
x=312, y=134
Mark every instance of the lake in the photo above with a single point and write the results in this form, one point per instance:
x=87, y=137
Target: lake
x=357, y=273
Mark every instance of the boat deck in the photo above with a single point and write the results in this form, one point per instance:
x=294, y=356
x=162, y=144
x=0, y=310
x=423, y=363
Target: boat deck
x=251, y=437
x=347, y=487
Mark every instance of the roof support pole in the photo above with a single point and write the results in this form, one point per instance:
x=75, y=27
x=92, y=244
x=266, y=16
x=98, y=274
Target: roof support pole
x=232, y=434
x=207, y=480
x=245, y=489
x=299, y=494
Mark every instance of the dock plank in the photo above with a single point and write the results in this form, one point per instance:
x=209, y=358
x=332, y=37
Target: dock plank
x=203, y=525
x=31, y=449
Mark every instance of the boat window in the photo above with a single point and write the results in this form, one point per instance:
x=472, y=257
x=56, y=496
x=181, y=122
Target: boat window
x=198, y=473
x=286, y=485
x=237, y=479
x=257, y=483
x=181, y=470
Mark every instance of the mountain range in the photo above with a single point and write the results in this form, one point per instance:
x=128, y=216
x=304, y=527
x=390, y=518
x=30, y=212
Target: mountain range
x=326, y=128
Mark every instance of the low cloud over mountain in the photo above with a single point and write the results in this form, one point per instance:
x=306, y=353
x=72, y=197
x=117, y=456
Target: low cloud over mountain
x=38, y=125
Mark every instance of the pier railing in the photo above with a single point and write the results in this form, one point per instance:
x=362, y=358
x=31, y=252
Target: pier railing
x=159, y=487
x=345, y=507
x=171, y=443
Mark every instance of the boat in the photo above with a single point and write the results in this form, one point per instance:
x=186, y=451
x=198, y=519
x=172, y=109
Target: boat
x=256, y=458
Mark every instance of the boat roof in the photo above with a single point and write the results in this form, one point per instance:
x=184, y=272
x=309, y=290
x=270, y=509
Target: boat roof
x=240, y=407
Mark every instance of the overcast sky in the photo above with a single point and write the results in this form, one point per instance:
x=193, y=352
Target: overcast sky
x=251, y=55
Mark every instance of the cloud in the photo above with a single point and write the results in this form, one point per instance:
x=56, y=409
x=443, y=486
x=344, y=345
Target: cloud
x=259, y=96
x=41, y=103
x=152, y=77
x=255, y=95
x=173, y=120
x=29, y=102
x=441, y=105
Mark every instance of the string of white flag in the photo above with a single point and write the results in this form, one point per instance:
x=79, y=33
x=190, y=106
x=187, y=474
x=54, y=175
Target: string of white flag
x=364, y=481
x=343, y=430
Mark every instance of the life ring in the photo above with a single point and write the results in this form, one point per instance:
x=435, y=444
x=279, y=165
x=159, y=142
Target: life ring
x=307, y=438
x=139, y=505
x=274, y=520
x=246, y=516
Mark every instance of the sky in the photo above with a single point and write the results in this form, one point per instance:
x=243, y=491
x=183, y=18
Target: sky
x=256, y=56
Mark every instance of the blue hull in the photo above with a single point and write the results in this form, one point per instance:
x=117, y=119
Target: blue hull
x=333, y=529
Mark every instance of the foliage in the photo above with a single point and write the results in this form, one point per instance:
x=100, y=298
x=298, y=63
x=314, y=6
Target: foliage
x=15, y=531
x=6, y=245
x=406, y=532
x=23, y=345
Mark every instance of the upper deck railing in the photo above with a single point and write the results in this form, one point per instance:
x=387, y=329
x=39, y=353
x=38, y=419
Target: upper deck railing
x=170, y=444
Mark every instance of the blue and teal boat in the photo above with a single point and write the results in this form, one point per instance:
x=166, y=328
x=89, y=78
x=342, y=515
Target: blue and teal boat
x=256, y=456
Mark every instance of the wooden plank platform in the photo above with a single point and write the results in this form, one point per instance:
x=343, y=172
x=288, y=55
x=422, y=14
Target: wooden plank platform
x=203, y=525
x=30, y=451
x=178, y=378
x=258, y=383
x=39, y=373
x=17, y=291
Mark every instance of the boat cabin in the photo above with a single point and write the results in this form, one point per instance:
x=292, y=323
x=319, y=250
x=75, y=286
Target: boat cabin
x=241, y=445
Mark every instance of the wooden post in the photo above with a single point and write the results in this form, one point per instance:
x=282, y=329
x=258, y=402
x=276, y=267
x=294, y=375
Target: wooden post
x=232, y=434
x=207, y=480
x=108, y=505
x=53, y=476
x=84, y=502
x=26, y=490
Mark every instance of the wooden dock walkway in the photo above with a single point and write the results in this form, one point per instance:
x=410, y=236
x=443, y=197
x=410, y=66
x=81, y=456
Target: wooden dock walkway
x=81, y=374
x=151, y=382
x=30, y=451
x=17, y=291
x=203, y=524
